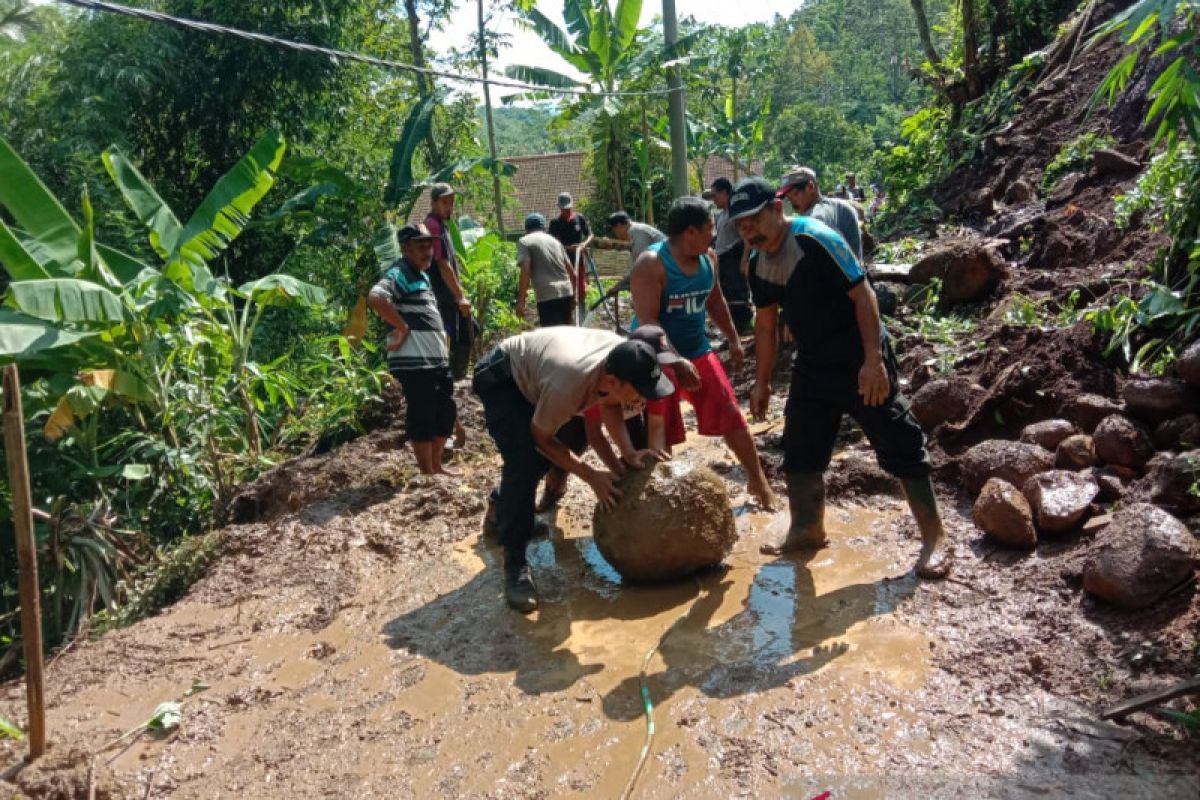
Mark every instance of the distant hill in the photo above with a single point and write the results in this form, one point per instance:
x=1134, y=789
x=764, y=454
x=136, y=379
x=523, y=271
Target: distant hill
x=527, y=131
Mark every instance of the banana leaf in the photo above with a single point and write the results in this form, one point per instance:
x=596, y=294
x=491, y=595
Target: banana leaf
x=150, y=209
x=23, y=335
x=38, y=213
x=66, y=300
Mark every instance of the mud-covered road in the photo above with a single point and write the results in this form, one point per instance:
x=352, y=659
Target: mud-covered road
x=359, y=647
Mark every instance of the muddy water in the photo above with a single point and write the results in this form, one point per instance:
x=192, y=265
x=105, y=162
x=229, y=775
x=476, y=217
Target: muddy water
x=760, y=675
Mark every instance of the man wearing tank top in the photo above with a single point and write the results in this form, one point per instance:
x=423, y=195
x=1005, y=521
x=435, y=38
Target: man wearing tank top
x=674, y=286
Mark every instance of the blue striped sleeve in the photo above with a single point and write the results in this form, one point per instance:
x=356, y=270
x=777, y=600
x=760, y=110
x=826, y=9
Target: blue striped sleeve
x=833, y=243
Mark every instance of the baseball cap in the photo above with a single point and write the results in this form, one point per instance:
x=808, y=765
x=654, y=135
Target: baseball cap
x=414, y=232
x=440, y=190
x=656, y=337
x=534, y=221
x=796, y=176
x=636, y=363
x=749, y=197
x=565, y=201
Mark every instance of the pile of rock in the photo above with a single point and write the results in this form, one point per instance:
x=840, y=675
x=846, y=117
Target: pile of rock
x=1066, y=473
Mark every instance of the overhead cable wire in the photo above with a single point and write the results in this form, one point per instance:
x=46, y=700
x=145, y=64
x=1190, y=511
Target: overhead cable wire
x=333, y=53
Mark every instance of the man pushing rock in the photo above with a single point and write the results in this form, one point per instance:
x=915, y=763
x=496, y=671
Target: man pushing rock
x=532, y=385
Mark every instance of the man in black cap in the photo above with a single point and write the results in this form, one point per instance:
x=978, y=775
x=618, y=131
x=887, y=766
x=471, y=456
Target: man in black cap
x=531, y=386
x=730, y=256
x=416, y=347
x=844, y=364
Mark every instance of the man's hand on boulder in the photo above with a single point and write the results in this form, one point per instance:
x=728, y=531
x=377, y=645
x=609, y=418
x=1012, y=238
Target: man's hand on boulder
x=639, y=458
x=603, y=484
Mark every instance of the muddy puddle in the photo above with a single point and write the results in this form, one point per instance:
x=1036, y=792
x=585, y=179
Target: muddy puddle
x=369, y=654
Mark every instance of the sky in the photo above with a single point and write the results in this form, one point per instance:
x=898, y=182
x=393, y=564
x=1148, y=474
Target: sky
x=526, y=48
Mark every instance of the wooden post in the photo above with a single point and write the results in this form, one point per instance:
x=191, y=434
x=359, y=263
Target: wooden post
x=31, y=606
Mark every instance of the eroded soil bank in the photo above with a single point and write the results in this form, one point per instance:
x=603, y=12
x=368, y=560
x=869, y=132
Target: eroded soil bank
x=358, y=647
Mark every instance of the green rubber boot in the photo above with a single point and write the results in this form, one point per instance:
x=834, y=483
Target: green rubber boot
x=936, y=553
x=806, y=502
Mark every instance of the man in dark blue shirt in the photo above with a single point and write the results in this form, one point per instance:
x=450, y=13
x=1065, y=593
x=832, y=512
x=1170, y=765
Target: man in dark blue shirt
x=844, y=364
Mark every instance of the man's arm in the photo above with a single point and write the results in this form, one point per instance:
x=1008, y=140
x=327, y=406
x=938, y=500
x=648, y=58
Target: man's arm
x=766, y=346
x=873, y=383
x=594, y=428
x=855, y=237
x=381, y=304
x=558, y=454
x=450, y=278
x=523, y=285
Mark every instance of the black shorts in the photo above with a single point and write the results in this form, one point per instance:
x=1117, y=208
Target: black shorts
x=429, y=403
x=559, y=311
x=818, y=398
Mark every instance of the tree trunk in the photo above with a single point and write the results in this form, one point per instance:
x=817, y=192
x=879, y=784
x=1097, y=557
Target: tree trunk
x=931, y=55
x=733, y=117
x=647, y=186
x=491, y=128
x=971, y=50
x=424, y=82
x=614, y=168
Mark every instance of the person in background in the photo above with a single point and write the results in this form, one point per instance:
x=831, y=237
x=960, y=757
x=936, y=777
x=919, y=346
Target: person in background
x=850, y=190
x=569, y=227
x=544, y=263
x=452, y=302
x=674, y=286
x=799, y=187
x=844, y=364
x=627, y=235
x=417, y=355
x=730, y=256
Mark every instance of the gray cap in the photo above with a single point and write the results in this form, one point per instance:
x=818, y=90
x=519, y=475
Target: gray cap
x=440, y=190
x=565, y=201
x=796, y=176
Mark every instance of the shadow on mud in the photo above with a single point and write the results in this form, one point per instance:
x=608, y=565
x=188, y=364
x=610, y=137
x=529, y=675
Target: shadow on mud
x=780, y=633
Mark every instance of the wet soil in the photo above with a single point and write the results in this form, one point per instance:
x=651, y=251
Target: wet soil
x=362, y=649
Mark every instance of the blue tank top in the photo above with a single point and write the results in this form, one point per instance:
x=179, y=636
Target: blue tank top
x=683, y=313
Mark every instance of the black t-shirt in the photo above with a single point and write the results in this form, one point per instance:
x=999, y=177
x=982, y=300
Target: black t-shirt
x=570, y=231
x=812, y=286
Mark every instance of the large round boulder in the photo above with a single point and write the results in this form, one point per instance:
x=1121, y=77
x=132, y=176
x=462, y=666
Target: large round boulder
x=968, y=268
x=1145, y=552
x=1015, y=462
x=672, y=520
x=1003, y=513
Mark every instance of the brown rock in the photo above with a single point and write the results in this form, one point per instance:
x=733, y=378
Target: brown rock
x=1075, y=452
x=1188, y=365
x=1087, y=410
x=1003, y=513
x=1060, y=498
x=969, y=270
x=1047, y=433
x=945, y=400
x=1015, y=462
x=672, y=520
x=1158, y=399
x=1173, y=482
x=1143, y=554
x=1096, y=524
x=1179, y=432
x=1113, y=162
x=1112, y=488
x=1121, y=442
x=1019, y=192
x=1066, y=188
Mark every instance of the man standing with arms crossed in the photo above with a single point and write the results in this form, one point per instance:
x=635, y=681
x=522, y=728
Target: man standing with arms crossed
x=674, y=286
x=844, y=364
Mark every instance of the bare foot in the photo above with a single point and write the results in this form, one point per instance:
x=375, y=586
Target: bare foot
x=935, y=559
x=808, y=540
x=451, y=471
x=763, y=494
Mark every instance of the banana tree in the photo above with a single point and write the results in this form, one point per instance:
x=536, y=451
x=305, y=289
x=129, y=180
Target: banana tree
x=603, y=45
x=75, y=305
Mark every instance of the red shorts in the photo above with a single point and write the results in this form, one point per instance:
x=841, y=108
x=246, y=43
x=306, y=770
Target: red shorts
x=716, y=406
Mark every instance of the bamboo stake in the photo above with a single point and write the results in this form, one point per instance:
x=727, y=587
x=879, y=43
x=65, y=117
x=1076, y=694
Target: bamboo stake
x=31, y=608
